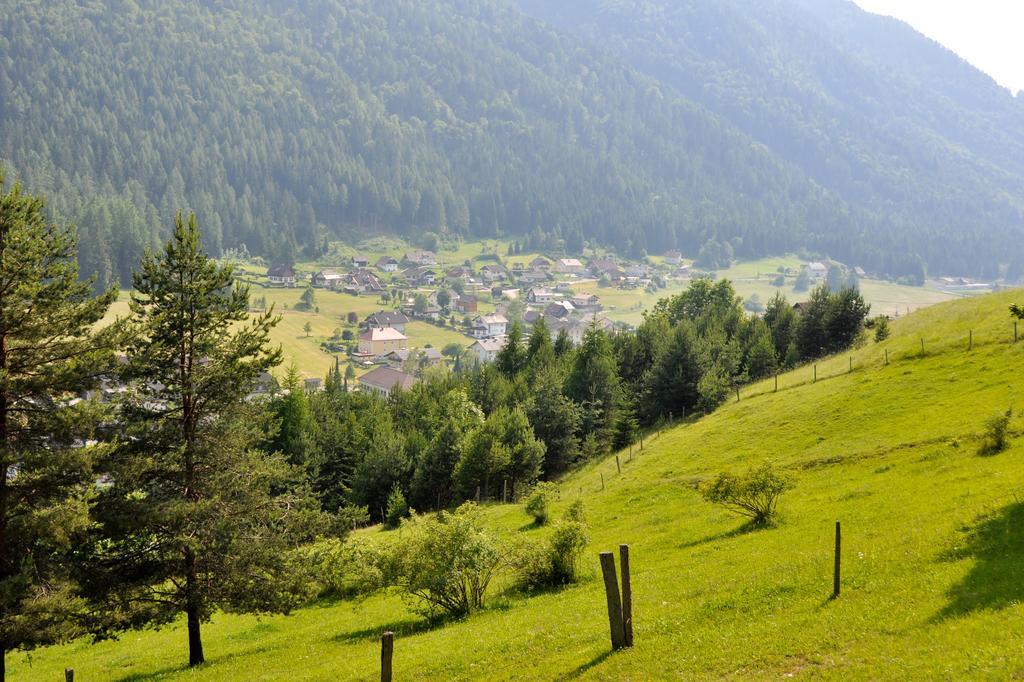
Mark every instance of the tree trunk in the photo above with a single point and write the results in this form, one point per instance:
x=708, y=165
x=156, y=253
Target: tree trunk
x=195, y=642
x=192, y=610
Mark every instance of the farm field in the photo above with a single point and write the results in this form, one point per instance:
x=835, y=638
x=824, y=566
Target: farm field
x=933, y=561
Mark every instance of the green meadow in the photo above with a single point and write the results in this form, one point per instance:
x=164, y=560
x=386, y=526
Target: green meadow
x=933, y=546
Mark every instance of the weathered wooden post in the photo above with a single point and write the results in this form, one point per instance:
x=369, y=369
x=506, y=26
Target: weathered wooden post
x=602, y=480
x=887, y=357
x=815, y=373
x=627, y=596
x=504, y=491
x=851, y=364
x=611, y=593
x=69, y=675
x=922, y=346
x=387, y=649
x=970, y=340
x=835, y=577
x=618, y=465
x=776, y=382
x=1015, y=332
x=737, y=394
x=478, y=494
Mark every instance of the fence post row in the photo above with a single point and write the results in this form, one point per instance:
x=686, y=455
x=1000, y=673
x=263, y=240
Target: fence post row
x=387, y=649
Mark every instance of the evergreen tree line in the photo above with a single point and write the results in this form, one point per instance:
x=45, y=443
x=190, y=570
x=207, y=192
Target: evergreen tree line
x=288, y=126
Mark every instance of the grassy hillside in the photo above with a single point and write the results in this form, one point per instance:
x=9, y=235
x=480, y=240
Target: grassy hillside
x=933, y=547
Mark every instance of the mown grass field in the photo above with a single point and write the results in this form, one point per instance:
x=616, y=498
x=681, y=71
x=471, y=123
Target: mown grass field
x=933, y=537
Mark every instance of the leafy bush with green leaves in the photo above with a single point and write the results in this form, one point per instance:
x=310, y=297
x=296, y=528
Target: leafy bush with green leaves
x=881, y=327
x=444, y=563
x=754, y=494
x=538, y=501
x=556, y=560
x=346, y=568
x=995, y=439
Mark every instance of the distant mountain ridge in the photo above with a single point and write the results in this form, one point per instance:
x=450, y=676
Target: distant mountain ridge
x=776, y=125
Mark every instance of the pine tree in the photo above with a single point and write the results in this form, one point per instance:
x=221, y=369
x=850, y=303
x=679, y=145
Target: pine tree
x=195, y=519
x=511, y=359
x=593, y=382
x=48, y=353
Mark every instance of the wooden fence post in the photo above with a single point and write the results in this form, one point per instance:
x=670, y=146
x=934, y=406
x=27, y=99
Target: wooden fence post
x=737, y=394
x=627, y=597
x=970, y=340
x=851, y=364
x=835, y=576
x=630, y=452
x=618, y=465
x=69, y=675
x=922, y=346
x=504, y=491
x=387, y=649
x=478, y=494
x=1015, y=332
x=776, y=382
x=815, y=373
x=611, y=593
x=602, y=480
x=887, y=357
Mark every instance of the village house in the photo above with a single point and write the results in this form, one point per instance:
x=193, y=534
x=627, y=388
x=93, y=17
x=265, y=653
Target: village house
x=281, y=276
x=673, y=257
x=385, y=380
x=420, y=258
x=421, y=276
x=387, y=264
x=540, y=296
x=313, y=385
x=569, y=266
x=387, y=318
x=603, y=266
x=360, y=261
x=532, y=278
x=586, y=302
x=328, y=279
x=363, y=283
x=559, y=310
x=487, y=326
x=493, y=273
x=540, y=263
x=381, y=341
x=459, y=274
x=486, y=350
x=465, y=304
x=816, y=270
x=427, y=356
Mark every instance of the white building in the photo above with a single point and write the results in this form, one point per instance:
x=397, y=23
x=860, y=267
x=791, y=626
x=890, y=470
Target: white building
x=487, y=326
x=486, y=350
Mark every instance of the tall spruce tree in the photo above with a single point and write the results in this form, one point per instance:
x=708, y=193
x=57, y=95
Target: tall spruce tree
x=48, y=354
x=196, y=519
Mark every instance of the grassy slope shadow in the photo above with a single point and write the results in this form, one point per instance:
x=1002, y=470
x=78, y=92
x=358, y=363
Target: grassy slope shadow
x=996, y=580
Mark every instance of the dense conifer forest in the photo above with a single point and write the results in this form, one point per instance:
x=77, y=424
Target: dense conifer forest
x=286, y=127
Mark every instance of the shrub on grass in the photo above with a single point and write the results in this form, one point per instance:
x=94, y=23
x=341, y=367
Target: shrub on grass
x=754, y=494
x=556, y=560
x=538, y=500
x=444, y=563
x=995, y=438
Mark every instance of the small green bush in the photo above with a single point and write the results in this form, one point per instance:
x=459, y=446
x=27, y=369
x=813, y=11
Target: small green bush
x=881, y=326
x=538, y=500
x=444, y=563
x=556, y=560
x=754, y=495
x=995, y=439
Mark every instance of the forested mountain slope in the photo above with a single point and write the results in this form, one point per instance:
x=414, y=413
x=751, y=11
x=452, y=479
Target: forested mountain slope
x=880, y=115
x=287, y=125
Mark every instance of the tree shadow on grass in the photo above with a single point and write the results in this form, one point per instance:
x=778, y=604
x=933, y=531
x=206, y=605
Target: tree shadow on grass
x=184, y=667
x=402, y=628
x=996, y=580
x=745, y=529
x=593, y=663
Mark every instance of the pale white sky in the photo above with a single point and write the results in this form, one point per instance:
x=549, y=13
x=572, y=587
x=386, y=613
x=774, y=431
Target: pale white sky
x=987, y=33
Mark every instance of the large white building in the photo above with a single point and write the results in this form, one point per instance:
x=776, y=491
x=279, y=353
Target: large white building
x=487, y=326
